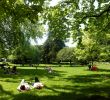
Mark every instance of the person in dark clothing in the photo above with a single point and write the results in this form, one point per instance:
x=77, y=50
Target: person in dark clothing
x=37, y=84
x=89, y=66
x=36, y=79
x=14, y=70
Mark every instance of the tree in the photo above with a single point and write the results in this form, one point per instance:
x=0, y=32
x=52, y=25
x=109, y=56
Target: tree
x=90, y=15
x=25, y=54
x=18, y=22
x=89, y=50
x=105, y=48
x=66, y=55
x=82, y=14
x=51, y=48
x=69, y=16
x=57, y=22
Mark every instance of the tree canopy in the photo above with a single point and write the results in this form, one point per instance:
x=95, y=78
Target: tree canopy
x=18, y=21
x=22, y=20
x=66, y=55
x=63, y=19
x=51, y=48
x=69, y=16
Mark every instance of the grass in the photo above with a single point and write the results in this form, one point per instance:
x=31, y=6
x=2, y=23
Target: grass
x=66, y=83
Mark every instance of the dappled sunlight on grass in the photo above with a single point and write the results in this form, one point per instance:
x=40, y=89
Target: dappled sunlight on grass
x=72, y=83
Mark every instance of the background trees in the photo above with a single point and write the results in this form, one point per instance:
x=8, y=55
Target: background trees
x=18, y=24
x=87, y=22
x=66, y=55
x=51, y=48
x=89, y=50
x=18, y=21
x=26, y=54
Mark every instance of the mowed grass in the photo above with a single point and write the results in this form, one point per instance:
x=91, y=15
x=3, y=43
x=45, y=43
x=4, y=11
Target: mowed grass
x=65, y=83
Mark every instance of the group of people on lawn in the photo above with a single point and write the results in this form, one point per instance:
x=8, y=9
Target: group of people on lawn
x=8, y=70
x=24, y=86
x=93, y=68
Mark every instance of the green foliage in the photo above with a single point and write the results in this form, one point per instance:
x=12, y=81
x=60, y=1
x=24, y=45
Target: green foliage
x=18, y=22
x=22, y=20
x=66, y=18
x=89, y=50
x=25, y=54
x=57, y=20
x=66, y=54
x=12, y=58
x=105, y=54
x=51, y=48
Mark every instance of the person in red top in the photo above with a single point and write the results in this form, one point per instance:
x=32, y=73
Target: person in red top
x=94, y=68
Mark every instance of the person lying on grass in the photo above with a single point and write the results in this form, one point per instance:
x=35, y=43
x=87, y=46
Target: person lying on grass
x=23, y=86
x=37, y=84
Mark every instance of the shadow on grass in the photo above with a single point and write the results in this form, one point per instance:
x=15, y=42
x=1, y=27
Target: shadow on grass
x=9, y=80
x=31, y=72
x=88, y=78
x=40, y=73
x=103, y=70
x=91, y=92
x=76, y=92
x=78, y=95
x=4, y=95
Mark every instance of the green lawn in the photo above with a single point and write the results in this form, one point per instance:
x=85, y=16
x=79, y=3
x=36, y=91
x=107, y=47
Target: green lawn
x=66, y=83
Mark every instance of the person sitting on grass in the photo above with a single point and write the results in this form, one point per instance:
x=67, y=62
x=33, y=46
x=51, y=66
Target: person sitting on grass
x=37, y=84
x=49, y=69
x=94, y=68
x=6, y=70
x=23, y=86
x=14, y=70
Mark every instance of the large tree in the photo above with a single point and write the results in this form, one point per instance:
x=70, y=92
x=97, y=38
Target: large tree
x=18, y=21
x=25, y=54
x=73, y=16
x=69, y=16
x=89, y=50
x=51, y=48
x=66, y=54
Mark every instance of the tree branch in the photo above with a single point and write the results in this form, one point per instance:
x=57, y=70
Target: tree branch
x=97, y=15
